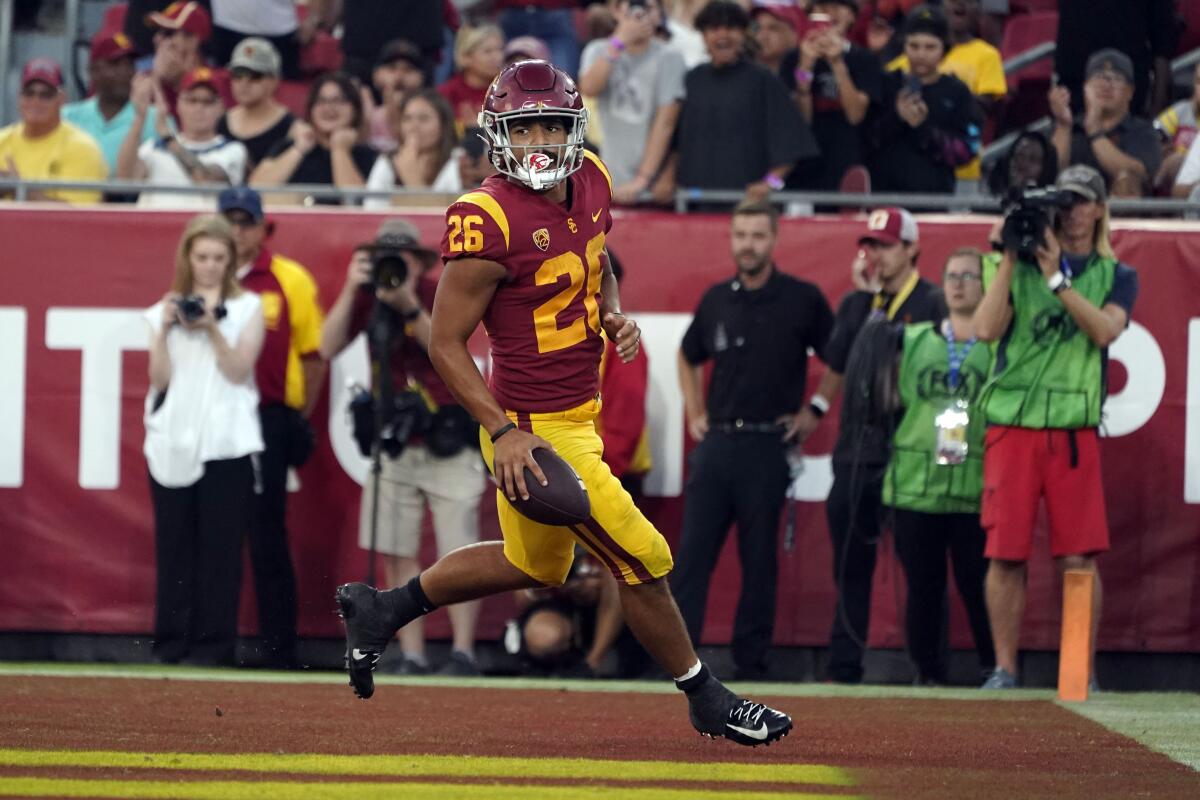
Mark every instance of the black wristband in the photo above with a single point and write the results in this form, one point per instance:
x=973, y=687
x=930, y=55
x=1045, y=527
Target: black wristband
x=409, y=316
x=503, y=429
x=817, y=411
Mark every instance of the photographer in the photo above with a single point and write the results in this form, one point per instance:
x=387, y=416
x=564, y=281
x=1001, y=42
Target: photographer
x=202, y=426
x=1054, y=304
x=389, y=284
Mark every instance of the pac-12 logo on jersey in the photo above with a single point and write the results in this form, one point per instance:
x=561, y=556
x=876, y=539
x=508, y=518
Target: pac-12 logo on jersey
x=541, y=238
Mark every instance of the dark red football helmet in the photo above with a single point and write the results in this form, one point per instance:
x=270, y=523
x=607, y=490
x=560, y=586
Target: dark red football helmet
x=526, y=89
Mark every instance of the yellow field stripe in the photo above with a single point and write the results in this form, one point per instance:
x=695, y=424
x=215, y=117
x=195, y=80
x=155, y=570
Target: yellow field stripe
x=437, y=766
x=233, y=790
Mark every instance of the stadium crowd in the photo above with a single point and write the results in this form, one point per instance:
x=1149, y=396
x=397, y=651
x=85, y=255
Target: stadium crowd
x=884, y=95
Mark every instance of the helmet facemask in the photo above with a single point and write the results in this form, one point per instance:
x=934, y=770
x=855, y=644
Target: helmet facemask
x=535, y=169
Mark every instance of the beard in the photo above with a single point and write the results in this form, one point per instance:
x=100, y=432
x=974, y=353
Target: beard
x=751, y=266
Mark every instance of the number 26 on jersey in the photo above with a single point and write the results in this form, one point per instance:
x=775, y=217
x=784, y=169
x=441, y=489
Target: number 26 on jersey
x=466, y=234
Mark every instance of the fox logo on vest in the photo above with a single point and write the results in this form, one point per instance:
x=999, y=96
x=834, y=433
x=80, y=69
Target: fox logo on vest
x=933, y=383
x=541, y=238
x=1052, y=324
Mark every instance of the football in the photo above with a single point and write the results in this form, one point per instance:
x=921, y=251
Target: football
x=562, y=501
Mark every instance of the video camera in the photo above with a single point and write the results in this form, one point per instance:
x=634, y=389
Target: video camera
x=191, y=308
x=1028, y=213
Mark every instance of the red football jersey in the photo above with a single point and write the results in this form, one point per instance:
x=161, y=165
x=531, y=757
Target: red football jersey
x=544, y=320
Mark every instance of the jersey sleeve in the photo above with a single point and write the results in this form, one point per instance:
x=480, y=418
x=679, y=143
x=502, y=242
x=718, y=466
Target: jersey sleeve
x=476, y=227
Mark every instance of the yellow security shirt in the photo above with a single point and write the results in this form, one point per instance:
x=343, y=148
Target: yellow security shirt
x=977, y=64
x=67, y=153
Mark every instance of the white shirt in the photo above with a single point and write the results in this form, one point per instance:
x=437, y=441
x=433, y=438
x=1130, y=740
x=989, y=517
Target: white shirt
x=383, y=176
x=688, y=41
x=256, y=17
x=164, y=169
x=203, y=417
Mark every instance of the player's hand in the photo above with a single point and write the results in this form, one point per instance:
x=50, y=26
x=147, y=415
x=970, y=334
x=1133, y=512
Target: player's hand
x=514, y=453
x=799, y=426
x=625, y=333
x=697, y=425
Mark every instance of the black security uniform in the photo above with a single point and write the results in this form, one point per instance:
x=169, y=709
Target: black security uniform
x=860, y=459
x=758, y=341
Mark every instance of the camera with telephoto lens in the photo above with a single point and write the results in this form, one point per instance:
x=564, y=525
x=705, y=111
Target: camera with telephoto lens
x=389, y=270
x=1028, y=214
x=191, y=308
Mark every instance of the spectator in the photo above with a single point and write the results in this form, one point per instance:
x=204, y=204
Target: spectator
x=552, y=21
x=569, y=630
x=196, y=155
x=757, y=329
x=107, y=115
x=368, y=25
x=323, y=148
x=932, y=484
x=524, y=48
x=258, y=121
x=887, y=288
x=1030, y=160
x=478, y=57
x=288, y=375
x=1177, y=127
x=273, y=20
x=1054, y=321
x=201, y=429
x=43, y=147
x=773, y=33
x=930, y=122
x=179, y=31
x=681, y=30
x=426, y=158
x=1124, y=148
x=836, y=85
x=738, y=128
x=137, y=28
x=442, y=470
x=637, y=81
x=1146, y=31
x=398, y=71
x=974, y=62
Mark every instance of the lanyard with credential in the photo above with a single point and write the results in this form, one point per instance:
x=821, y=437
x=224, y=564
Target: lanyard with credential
x=901, y=297
x=957, y=352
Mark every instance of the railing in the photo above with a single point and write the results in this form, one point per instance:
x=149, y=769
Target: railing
x=685, y=199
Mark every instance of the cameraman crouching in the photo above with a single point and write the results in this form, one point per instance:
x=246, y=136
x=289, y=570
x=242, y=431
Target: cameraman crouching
x=1054, y=316
x=389, y=284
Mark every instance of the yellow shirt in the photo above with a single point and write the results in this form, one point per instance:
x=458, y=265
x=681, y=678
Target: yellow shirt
x=977, y=64
x=67, y=153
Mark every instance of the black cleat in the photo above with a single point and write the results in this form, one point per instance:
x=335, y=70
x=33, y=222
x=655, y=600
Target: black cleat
x=369, y=627
x=717, y=712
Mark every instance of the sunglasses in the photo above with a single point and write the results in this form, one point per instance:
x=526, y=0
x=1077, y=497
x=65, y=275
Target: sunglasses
x=242, y=74
x=39, y=93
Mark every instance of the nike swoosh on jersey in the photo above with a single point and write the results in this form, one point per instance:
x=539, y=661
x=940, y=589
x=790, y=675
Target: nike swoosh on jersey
x=759, y=733
x=596, y=216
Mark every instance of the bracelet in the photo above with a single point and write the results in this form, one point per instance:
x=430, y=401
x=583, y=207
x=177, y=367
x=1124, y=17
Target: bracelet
x=803, y=76
x=1058, y=283
x=774, y=181
x=818, y=405
x=409, y=316
x=503, y=429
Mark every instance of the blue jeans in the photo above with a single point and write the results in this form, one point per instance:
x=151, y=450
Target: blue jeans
x=555, y=27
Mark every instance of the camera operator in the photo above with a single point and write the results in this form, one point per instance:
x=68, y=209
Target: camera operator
x=389, y=283
x=1054, y=304
x=202, y=426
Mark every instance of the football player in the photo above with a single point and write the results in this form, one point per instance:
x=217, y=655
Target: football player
x=525, y=255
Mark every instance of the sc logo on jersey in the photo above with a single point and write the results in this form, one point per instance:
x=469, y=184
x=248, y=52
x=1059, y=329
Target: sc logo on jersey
x=1052, y=324
x=933, y=384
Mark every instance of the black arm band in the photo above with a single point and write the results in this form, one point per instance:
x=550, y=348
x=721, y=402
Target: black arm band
x=503, y=429
x=817, y=411
x=409, y=316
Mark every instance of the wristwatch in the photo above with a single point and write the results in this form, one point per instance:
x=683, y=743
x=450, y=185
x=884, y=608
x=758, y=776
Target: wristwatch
x=1058, y=282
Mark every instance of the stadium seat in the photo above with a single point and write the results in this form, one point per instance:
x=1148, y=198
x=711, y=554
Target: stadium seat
x=294, y=95
x=322, y=54
x=1026, y=31
x=856, y=180
x=1189, y=12
x=1016, y=7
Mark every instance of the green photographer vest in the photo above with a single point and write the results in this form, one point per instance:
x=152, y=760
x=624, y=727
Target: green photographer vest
x=914, y=480
x=1049, y=373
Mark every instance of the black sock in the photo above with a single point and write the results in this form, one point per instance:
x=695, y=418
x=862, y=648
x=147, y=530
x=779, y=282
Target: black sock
x=695, y=682
x=409, y=602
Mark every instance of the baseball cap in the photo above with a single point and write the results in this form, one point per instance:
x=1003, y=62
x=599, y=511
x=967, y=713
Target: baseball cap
x=400, y=234
x=241, y=198
x=1084, y=181
x=189, y=17
x=528, y=46
x=111, y=46
x=890, y=226
x=45, y=70
x=400, y=50
x=201, y=76
x=256, y=55
x=1110, y=58
x=930, y=20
